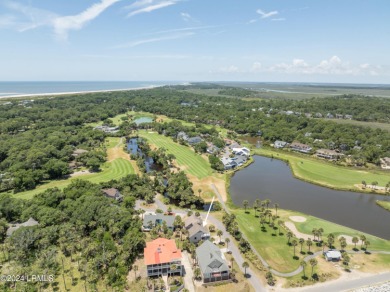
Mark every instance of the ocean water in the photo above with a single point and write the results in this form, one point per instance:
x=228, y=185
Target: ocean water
x=24, y=88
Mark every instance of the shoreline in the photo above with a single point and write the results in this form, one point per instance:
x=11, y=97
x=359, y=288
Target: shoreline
x=365, y=191
x=77, y=92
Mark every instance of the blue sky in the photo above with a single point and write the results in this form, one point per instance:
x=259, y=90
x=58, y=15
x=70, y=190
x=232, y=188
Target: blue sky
x=196, y=40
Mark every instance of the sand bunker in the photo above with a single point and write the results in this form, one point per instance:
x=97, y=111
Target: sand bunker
x=297, y=218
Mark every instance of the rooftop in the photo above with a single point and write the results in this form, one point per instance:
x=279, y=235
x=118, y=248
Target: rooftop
x=161, y=250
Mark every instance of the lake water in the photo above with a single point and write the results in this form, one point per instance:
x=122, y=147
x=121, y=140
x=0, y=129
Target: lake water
x=133, y=148
x=272, y=179
x=21, y=88
x=143, y=120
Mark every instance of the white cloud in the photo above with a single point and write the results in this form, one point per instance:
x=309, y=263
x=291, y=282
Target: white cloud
x=266, y=14
x=76, y=22
x=60, y=24
x=146, y=6
x=332, y=66
x=278, y=19
x=153, y=40
x=256, y=67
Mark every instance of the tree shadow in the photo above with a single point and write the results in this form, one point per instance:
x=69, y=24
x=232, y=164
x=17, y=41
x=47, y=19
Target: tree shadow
x=302, y=252
x=304, y=278
x=296, y=258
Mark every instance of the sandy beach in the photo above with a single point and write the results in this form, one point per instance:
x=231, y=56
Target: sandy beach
x=76, y=92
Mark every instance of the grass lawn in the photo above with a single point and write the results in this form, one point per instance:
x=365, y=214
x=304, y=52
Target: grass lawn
x=373, y=125
x=326, y=174
x=329, y=227
x=384, y=204
x=115, y=169
x=193, y=163
x=274, y=248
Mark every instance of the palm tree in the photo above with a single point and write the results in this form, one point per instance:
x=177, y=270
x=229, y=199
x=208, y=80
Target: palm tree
x=219, y=233
x=367, y=243
x=309, y=243
x=267, y=202
x=289, y=236
x=256, y=205
x=173, y=267
x=330, y=240
x=374, y=184
x=364, y=183
x=245, y=203
x=245, y=265
x=343, y=244
x=303, y=265
x=262, y=220
x=294, y=243
x=197, y=273
x=315, y=233
x=363, y=239
x=227, y=240
x=320, y=231
x=280, y=223
x=313, y=262
x=301, y=242
x=355, y=240
x=276, y=205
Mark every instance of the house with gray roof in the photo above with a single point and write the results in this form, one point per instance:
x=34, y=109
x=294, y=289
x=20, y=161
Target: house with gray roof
x=212, y=263
x=196, y=230
x=194, y=140
x=280, y=144
x=152, y=220
x=182, y=135
x=30, y=222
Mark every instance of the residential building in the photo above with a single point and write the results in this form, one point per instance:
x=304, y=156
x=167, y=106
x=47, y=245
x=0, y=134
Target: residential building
x=328, y=154
x=13, y=227
x=78, y=152
x=160, y=256
x=241, y=151
x=196, y=230
x=332, y=255
x=385, y=162
x=194, y=140
x=113, y=194
x=228, y=163
x=182, y=135
x=296, y=146
x=107, y=129
x=239, y=160
x=280, y=144
x=212, y=263
x=152, y=220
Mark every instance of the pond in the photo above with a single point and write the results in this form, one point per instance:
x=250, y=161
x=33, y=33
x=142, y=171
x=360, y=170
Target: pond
x=133, y=148
x=272, y=179
x=143, y=120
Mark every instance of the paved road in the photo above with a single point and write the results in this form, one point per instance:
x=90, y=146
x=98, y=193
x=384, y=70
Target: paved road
x=347, y=285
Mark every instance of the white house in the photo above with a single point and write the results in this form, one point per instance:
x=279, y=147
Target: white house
x=332, y=255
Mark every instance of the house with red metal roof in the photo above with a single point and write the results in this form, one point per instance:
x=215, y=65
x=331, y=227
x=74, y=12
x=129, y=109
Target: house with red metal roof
x=162, y=257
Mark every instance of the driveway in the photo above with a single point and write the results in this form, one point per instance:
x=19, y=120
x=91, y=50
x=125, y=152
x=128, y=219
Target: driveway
x=188, y=272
